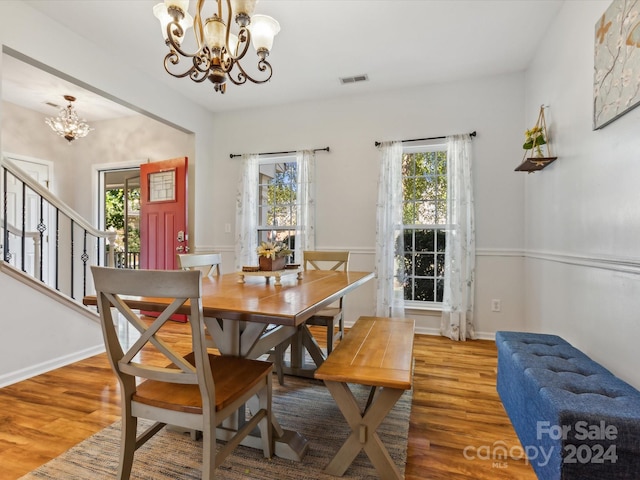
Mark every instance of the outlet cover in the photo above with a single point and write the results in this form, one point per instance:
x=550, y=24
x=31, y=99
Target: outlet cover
x=496, y=305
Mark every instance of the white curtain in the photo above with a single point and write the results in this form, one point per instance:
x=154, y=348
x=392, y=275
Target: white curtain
x=460, y=254
x=247, y=212
x=306, y=206
x=389, y=240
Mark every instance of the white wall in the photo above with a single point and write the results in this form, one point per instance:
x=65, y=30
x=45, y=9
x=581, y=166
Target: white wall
x=347, y=176
x=39, y=333
x=582, y=215
x=21, y=133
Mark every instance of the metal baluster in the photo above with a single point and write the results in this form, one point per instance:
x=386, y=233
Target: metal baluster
x=24, y=220
x=24, y=228
x=84, y=259
x=98, y=258
x=71, y=295
x=57, y=249
x=5, y=241
x=41, y=228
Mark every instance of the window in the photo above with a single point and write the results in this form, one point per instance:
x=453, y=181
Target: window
x=424, y=185
x=277, y=196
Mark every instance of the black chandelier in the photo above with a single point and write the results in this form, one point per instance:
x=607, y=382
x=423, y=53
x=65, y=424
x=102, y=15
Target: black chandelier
x=220, y=45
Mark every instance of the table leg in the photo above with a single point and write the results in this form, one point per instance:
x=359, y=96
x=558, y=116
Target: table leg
x=231, y=341
x=287, y=443
x=303, y=341
x=363, y=430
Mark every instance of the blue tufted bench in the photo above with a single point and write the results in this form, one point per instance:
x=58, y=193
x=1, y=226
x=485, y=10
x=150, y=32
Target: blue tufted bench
x=574, y=418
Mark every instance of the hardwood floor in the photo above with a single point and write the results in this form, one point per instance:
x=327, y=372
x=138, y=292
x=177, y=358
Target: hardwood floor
x=456, y=416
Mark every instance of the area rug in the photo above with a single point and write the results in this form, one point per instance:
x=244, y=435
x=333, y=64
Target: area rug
x=302, y=405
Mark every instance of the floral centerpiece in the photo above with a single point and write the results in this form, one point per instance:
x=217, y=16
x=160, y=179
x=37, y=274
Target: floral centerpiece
x=534, y=139
x=273, y=255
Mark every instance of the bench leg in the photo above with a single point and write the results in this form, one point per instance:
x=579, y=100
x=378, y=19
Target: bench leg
x=363, y=431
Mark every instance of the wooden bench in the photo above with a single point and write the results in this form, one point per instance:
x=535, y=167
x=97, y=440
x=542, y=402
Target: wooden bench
x=376, y=352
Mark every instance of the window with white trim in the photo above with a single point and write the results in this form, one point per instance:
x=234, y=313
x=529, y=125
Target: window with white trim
x=424, y=212
x=277, y=197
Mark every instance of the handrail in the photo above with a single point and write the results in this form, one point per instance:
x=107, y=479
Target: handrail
x=51, y=198
x=69, y=255
x=16, y=231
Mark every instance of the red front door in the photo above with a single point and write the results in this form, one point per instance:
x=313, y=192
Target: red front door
x=163, y=213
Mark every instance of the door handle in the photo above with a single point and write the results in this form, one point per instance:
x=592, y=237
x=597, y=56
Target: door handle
x=180, y=248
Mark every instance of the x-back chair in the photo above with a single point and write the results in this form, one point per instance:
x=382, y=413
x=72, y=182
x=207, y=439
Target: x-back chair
x=197, y=391
x=209, y=262
x=331, y=316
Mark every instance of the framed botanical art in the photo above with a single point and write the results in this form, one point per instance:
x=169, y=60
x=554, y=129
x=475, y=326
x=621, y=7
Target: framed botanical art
x=616, y=77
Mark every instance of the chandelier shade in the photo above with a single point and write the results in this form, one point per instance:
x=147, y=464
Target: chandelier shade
x=162, y=14
x=262, y=30
x=220, y=43
x=67, y=124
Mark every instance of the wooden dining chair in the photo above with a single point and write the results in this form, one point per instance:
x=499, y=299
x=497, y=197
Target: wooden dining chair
x=331, y=316
x=197, y=391
x=209, y=262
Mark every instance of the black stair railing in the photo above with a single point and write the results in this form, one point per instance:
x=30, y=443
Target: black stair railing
x=47, y=239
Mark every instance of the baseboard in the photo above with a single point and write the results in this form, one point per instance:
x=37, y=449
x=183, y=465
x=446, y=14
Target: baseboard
x=33, y=370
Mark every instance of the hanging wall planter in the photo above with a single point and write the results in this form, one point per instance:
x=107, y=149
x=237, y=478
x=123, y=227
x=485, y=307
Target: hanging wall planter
x=537, y=153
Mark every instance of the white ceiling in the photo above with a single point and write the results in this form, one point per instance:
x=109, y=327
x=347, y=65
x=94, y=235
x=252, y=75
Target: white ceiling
x=35, y=89
x=397, y=43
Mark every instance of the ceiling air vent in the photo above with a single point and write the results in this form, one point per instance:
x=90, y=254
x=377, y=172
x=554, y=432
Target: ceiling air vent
x=354, y=79
x=52, y=104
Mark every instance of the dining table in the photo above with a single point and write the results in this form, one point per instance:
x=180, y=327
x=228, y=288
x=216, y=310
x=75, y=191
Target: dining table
x=249, y=316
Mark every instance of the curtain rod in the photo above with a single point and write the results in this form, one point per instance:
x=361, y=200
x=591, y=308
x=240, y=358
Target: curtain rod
x=325, y=149
x=472, y=134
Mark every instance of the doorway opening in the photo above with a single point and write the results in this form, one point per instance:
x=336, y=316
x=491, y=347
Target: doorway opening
x=120, y=201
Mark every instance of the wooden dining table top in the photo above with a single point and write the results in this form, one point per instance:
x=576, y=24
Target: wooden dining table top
x=257, y=300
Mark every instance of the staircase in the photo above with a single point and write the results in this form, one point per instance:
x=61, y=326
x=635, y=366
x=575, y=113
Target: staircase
x=46, y=239
x=47, y=250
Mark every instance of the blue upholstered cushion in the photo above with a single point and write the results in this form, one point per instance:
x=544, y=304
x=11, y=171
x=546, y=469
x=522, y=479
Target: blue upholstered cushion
x=546, y=384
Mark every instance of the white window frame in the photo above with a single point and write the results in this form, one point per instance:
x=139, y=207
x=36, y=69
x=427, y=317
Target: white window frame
x=430, y=146
x=262, y=227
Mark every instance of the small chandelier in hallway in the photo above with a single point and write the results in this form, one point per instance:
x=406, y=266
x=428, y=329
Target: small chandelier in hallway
x=218, y=50
x=67, y=124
